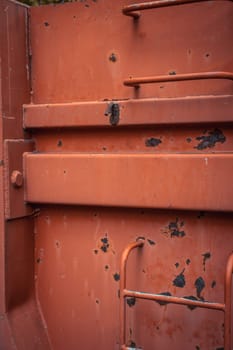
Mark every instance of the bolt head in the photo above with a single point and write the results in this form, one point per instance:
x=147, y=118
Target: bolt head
x=17, y=178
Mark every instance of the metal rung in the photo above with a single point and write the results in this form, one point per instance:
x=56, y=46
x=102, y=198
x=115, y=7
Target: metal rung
x=136, y=82
x=226, y=307
x=131, y=10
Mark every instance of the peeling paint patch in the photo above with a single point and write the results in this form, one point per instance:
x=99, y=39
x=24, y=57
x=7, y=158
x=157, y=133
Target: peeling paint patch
x=152, y=142
x=150, y=241
x=174, y=228
x=105, y=244
x=116, y=276
x=213, y=284
x=206, y=256
x=179, y=281
x=209, y=141
x=199, y=285
x=131, y=301
x=112, y=57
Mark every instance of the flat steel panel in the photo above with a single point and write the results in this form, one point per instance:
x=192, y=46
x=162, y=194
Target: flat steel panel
x=189, y=110
x=98, y=48
x=185, y=181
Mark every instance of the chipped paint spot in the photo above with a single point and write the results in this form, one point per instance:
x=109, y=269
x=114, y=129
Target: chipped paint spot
x=179, y=281
x=200, y=285
x=131, y=301
x=213, y=284
x=206, y=256
x=152, y=142
x=105, y=244
x=116, y=277
x=214, y=136
x=174, y=228
x=150, y=241
x=112, y=57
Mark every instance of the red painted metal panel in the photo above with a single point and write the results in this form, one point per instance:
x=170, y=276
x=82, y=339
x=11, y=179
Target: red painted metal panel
x=119, y=150
x=205, y=109
x=20, y=322
x=14, y=190
x=151, y=181
x=84, y=69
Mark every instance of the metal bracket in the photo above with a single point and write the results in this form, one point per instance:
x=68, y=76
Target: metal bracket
x=15, y=206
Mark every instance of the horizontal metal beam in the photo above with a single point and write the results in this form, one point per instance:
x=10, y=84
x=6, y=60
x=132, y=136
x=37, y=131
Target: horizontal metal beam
x=179, y=181
x=188, y=110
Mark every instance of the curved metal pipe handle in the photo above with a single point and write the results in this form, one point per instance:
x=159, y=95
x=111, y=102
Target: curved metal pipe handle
x=136, y=82
x=131, y=10
x=124, y=259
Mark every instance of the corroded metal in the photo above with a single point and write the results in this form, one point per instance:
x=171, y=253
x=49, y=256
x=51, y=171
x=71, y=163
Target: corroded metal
x=124, y=293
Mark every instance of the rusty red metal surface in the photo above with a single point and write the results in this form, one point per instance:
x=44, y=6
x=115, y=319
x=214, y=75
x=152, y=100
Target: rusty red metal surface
x=131, y=180
x=142, y=112
x=166, y=298
x=89, y=166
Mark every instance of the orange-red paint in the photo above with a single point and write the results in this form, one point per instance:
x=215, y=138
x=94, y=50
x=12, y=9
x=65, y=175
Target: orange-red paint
x=89, y=165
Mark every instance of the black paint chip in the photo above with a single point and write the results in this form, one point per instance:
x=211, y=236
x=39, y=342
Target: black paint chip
x=152, y=142
x=105, y=244
x=213, y=284
x=200, y=285
x=214, y=136
x=116, y=277
x=175, y=228
x=179, y=281
x=150, y=241
x=131, y=301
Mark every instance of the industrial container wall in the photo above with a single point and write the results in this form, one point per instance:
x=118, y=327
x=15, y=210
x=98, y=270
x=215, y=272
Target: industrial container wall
x=127, y=145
